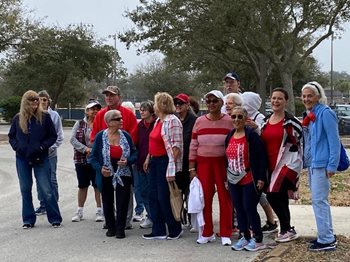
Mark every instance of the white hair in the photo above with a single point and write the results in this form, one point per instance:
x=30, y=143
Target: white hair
x=318, y=90
x=129, y=105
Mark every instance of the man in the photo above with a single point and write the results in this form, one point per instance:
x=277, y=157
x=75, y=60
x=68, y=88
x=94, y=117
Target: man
x=232, y=84
x=113, y=101
x=187, y=118
x=55, y=117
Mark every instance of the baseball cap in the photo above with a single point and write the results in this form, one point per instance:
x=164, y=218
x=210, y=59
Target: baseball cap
x=182, y=97
x=92, y=103
x=215, y=93
x=233, y=75
x=112, y=89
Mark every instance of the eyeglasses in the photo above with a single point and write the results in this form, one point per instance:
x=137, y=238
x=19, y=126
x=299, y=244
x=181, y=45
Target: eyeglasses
x=43, y=99
x=33, y=99
x=240, y=117
x=116, y=119
x=214, y=101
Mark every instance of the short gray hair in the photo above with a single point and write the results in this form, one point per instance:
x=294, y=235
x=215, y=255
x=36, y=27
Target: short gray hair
x=111, y=114
x=237, y=99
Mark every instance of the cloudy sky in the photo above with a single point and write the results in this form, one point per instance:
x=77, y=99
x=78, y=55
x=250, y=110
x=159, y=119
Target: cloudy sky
x=107, y=18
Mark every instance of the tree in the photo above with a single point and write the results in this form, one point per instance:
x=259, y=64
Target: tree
x=257, y=33
x=59, y=60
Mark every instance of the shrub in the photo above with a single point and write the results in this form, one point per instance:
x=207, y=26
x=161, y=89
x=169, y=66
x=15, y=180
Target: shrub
x=10, y=107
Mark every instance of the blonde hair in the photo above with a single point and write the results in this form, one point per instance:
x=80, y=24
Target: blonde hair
x=164, y=103
x=26, y=112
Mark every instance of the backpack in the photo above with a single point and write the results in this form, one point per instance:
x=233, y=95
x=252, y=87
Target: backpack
x=343, y=160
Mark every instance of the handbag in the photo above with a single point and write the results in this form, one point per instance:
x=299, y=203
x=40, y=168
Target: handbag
x=234, y=177
x=343, y=160
x=176, y=201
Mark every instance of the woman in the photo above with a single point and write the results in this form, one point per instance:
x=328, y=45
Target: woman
x=163, y=161
x=80, y=141
x=247, y=176
x=207, y=162
x=112, y=155
x=145, y=127
x=31, y=135
x=321, y=158
x=282, y=133
x=232, y=100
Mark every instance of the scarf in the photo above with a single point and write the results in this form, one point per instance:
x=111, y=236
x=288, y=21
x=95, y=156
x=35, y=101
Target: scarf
x=121, y=171
x=310, y=117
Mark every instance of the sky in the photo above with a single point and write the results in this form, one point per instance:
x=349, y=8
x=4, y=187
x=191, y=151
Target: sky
x=106, y=16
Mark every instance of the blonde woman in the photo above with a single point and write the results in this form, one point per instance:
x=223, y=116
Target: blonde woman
x=31, y=135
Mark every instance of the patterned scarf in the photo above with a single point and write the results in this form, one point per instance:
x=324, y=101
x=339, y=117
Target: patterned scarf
x=121, y=171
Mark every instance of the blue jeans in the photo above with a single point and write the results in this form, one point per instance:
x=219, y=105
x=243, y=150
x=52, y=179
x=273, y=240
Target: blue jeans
x=53, y=177
x=137, y=191
x=144, y=190
x=159, y=199
x=42, y=176
x=320, y=185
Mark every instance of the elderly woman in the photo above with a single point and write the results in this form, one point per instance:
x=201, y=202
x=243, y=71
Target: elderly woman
x=163, y=161
x=232, y=100
x=207, y=162
x=31, y=135
x=321, y=158
x=112, y=155
x=80, y=141
x=282, y=133
x=247, y=176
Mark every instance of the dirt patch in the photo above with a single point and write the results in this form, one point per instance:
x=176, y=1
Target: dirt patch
x=4, y=139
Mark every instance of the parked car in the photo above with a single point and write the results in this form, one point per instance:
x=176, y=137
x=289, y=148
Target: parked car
x=343, y=114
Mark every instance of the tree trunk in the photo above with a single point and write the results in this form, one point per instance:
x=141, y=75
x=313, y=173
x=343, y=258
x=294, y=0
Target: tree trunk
x=286, y=78
x=262, y=82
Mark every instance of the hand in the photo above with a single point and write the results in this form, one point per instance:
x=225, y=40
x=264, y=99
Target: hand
x=251, y=124
x=330, y=174
x=145, y=165
x=260, y=184
x=170, y=178
x=123, y=162
x=105, y=171
x=88, y=151
x=193, y=173
x=226, y=185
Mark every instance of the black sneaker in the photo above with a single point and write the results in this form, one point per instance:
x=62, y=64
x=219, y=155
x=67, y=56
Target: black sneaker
x=110, y=233
x=40, y=211
x=322, y=247
x=56, y=225
x=152, y=236
x=269, y=228
x=173, y=237
x=335, y=242
x=27, y=226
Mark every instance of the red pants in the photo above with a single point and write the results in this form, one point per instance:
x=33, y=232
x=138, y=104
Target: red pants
x=211, y=171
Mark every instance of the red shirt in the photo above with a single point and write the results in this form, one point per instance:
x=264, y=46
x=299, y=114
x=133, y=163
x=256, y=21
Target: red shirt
x=272, y=135
x=156, y=143
x=115, y=151
x=238, y=160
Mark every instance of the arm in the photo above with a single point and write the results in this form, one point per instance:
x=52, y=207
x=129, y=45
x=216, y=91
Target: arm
x=94, y=156
x=75, y=142
x=12, y=133
x=51, y=135
x=193, y=151
x=133, y=151
x=58, y=127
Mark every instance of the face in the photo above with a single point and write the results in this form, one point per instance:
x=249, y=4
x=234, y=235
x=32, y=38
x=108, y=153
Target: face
x=214, y=104
x=145, y=114
x=231, y=86
x=278, y=101
x=310, y=99
x=44, y=101
x=34, y=102
x=238, y=119
x=116, y=121
x=181, y=107
x=229, y=105
x=91, y=112
x=112, y=100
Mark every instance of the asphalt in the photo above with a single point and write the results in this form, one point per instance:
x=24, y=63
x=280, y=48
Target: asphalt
x=86, y=240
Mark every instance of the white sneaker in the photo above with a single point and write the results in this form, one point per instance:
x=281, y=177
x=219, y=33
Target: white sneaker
x=78, y=217
x=99, y=216
x=204, y=240
x=137, y=218
x=225, y=241
x=147, y=223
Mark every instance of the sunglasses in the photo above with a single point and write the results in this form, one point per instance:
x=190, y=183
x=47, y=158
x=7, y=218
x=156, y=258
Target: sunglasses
x=116, y=119
x=33, y=99
x=44, y=99
x=214, y=101
x=179, y=103
x=240, y=117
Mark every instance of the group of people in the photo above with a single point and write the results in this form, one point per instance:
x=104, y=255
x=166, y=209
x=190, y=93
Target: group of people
x=233, y=150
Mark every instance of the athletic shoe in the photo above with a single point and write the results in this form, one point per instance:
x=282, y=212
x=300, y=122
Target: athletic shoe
x=241, y=243
x=27, y=226
x=225, y=241
x=174, y=237
x=99, y=216
x=77, y=217
x=335, y=242
x=254, y=246
x=269, y=228
x=287, y=236
x=204, y=240
x=137, y=218
x=56, y=225
x=322, y=247
x=110, y=233
x=193, y=230
x=152, y=236
x=147, y=223
x=40, y=211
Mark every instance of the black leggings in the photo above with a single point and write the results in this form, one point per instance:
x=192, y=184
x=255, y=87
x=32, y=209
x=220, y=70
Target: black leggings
x=279, y=202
